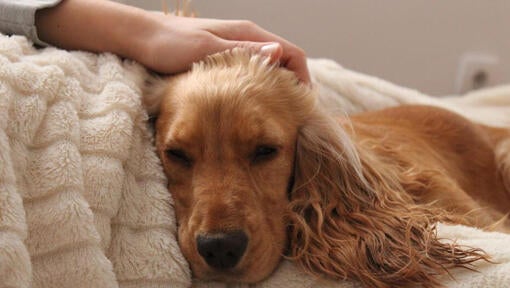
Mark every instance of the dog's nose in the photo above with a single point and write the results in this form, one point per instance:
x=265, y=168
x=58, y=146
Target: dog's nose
x=222, y=250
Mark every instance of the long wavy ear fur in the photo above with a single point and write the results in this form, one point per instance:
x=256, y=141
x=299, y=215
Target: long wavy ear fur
x=350, y=218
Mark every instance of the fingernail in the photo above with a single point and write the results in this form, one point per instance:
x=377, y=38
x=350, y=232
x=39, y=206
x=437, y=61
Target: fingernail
x=269, y=49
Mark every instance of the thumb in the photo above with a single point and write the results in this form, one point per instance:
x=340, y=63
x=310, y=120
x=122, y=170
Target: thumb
x=273, y=50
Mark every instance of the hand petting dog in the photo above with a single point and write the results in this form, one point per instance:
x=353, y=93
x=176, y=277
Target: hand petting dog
x=167, y=44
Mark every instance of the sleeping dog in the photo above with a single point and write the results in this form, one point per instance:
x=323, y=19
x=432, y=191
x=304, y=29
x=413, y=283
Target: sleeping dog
x=259, y=171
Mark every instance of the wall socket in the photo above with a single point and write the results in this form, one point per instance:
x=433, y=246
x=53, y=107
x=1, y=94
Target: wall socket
x=477, y=70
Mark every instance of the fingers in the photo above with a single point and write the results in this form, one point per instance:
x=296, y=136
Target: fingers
x=292, y=57
x=293, y=60
x=297, y=63
x=273, y=50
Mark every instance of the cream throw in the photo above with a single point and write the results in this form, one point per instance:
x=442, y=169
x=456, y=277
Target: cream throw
x=83, y=201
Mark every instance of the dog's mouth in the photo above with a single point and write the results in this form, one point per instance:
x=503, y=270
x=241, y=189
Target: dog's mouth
x=234, y=275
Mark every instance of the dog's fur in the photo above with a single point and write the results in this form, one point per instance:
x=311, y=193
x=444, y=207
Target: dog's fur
x=345, y=197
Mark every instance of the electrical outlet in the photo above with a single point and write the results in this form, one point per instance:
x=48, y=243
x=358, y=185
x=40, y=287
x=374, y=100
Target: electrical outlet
x=477, y=70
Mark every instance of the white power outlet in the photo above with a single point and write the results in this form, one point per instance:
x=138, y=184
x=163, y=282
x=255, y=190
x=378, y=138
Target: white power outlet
x=477, y=70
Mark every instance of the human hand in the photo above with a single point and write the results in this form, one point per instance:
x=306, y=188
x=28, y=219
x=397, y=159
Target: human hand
x=191, y=39
x=165, y=43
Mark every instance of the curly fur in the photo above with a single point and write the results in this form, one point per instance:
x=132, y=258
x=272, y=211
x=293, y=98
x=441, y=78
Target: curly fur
x=352, y=218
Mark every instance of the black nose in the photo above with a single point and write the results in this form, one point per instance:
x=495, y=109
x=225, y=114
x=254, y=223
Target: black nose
x=222, y=250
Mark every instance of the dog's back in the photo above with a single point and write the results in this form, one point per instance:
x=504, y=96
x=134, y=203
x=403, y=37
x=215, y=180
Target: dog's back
x=459, y=165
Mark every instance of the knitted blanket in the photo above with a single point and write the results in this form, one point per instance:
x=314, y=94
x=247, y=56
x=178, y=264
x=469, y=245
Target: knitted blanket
x=83, y=200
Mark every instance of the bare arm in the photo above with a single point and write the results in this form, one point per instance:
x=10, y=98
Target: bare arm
x=167, y=44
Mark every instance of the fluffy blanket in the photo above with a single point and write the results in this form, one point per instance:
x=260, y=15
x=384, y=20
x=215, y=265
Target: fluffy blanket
x=83, y=201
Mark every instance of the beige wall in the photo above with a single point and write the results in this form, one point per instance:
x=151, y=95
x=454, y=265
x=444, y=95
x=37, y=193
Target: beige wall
x=415, y=43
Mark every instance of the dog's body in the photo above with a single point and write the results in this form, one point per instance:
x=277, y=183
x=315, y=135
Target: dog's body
x=257, y=168
x=446, y=160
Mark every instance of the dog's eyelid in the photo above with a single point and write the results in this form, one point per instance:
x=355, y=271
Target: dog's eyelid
x=264, y=152
x=180, y=156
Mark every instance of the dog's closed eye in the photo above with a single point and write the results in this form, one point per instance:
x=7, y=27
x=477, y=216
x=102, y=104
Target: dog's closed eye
x=179, y=156
x=264, y=153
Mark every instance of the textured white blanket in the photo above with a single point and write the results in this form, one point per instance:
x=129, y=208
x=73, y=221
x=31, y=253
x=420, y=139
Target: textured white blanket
x=83, y=201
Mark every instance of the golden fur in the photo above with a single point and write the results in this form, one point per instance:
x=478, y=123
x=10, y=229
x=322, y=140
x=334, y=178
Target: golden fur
x=347, y=198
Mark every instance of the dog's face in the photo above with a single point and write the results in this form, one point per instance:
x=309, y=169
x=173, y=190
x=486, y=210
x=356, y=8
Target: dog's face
x=227, y=144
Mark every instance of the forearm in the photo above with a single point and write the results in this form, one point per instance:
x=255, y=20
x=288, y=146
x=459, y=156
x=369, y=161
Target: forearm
x=95, y=25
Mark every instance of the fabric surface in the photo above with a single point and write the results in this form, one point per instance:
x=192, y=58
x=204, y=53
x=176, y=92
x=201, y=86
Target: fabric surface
x=83, y=201
x=18, y=17
x=346, y=91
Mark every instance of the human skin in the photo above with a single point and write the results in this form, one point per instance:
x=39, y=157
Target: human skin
x=164, y=43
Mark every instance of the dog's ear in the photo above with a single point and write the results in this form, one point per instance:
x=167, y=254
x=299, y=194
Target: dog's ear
x=350, y=218
x=154, y=89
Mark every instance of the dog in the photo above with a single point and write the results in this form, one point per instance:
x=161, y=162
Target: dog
x=259, y=171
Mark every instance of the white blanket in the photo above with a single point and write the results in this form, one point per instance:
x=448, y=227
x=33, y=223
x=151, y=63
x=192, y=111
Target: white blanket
x=83, y=201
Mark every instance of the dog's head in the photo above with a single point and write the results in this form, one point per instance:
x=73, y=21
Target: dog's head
x=257, y=169
x=226, y=134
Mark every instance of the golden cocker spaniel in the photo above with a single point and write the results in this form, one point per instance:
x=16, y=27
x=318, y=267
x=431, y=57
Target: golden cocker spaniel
x=259, y=171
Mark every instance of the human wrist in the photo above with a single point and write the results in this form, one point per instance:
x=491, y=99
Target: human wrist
x=153, y=39
x=130, y=33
